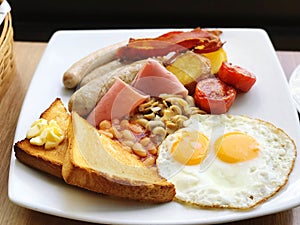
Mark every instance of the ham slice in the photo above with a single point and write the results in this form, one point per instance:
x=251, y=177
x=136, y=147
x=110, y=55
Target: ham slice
x=120, y=100
x=154, y=79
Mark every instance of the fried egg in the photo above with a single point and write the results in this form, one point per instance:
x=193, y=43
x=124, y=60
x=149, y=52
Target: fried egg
x=226, y=161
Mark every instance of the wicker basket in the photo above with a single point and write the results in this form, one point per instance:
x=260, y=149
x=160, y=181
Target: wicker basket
x=7, y=63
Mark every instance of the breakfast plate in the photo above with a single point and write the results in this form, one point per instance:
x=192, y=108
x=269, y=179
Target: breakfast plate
x=268, y=100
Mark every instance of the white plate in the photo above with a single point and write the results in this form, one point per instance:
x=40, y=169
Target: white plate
x=269, y=99
x=294, y=84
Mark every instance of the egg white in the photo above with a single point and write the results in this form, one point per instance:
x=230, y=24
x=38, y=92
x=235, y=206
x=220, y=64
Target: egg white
x=215, y=183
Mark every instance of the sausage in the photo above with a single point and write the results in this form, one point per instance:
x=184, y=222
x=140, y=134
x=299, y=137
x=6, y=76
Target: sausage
x=101, y=70
x=79, y=69
x=85, y=98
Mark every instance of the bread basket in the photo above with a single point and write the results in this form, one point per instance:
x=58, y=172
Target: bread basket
x=7, y=63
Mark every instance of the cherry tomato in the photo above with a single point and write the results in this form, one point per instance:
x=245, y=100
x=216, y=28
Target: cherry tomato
x=214, y=96
x=236, y=76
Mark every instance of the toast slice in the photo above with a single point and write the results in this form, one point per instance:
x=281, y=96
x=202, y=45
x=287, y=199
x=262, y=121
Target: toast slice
x=95, y=162
x=46, y=160
x=92, y=161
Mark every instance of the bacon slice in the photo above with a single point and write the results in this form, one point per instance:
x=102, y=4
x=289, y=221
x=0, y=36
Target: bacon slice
x=120, y=100
x=154, y=79
x=201, y=40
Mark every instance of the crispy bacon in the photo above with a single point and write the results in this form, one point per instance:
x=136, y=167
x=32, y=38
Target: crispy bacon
x=208, y=46
x=200, y=40
x=141, y=49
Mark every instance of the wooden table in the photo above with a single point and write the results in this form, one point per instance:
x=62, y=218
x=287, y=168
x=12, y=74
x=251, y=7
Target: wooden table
x=28, y=55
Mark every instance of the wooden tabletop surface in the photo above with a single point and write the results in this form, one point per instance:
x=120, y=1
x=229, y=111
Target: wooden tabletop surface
x=27, y=56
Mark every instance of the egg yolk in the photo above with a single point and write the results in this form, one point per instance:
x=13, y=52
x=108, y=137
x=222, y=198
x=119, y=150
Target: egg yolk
x=236, y=147
x=191, y=148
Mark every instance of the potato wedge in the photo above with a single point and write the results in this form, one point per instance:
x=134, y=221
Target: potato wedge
x=189, y=68
x=216, y=59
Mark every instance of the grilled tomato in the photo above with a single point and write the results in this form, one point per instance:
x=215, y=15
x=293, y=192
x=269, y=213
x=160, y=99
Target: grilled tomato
x=214, y=96
x=236, y=76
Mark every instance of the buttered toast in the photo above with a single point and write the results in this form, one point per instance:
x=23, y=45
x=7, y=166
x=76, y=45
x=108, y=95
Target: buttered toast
x=96, y=162
x=92, y=161
x=47, y=160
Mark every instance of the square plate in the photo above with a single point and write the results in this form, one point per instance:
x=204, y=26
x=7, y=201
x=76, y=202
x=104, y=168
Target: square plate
x=269, y=100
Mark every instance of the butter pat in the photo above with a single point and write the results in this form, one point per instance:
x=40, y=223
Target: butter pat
x=45, y=133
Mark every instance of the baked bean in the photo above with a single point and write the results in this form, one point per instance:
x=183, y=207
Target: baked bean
x=190, y=100
x=127, y=135
x=139, y=149
x=150, y=116
x=151, y=148
x=171, y=125
x=153, y=124
x=156, y=139
x=116, y=133
x=145, y=141
x=141, y=121
x=149, y=161
x=138, y=129
x=105, y=124
x=124, y=124
x=176, y=109
x=159, y=131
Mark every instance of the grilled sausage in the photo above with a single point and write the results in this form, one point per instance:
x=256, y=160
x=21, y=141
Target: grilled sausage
x=79, y=69
x=101, y=71
x=85, y=98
